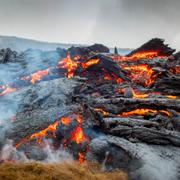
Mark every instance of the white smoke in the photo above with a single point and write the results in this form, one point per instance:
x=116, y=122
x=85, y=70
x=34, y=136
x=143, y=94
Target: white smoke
x=9, y=153
x=56, y=156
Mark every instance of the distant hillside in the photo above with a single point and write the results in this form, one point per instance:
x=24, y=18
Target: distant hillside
x=22, y=44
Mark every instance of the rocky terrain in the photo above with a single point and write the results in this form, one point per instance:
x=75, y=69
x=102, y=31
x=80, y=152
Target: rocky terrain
x=121, y=111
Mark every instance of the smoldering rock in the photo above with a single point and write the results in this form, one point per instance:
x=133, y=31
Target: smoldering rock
x=155, y=44
x=40, y=105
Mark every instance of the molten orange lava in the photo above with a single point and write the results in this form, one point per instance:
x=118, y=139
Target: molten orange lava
x=138, y=94
x=81, y=158
x=171, y=96
x=37, y=76
x=78, y=135
x=175, y=70
x=137, y=55
x=145, y=55
x=68, y=64
x=7, y=90
x=112, y=77
x=79, y=118
x=66, y=120
x=52, y=128
x=39, y=135
x=101, y=111
x=142, y=111
x=141, y=72
x=89, y=63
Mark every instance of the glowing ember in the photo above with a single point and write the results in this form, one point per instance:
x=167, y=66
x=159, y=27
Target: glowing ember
x=65, y=120
x=141, y=72
x=39, y=135
x=79, y=118
x=7, y=90
x=175, y=70
x=138, y=94
x=101, y=111
x=37, y=76
x=137, y=55
x=81, y=158
x=112, y=77
x=68, y=64
x=143, y=112
x=147, y=54
x=171, y=96
x=78, y=135
x=89, y=63
x=68, y=119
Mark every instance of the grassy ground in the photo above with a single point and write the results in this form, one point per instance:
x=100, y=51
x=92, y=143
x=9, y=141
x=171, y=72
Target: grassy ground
x=64, y=171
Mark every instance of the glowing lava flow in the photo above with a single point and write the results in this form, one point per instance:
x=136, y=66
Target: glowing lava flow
x=142, y=111
x=37, y=76
x=171, y=96
x=7, y=90
x=139, y=111
x=175, y=70
x=138, y=94
x=81, y=158
x=38, y=136
x=105, y=113
x=78, y=135
x=141, y=71
x=68, y=64
x=137, y=55
x=145, y=54
x=89, y=63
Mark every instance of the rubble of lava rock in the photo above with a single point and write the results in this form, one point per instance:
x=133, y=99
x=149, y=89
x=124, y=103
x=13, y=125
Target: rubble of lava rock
x=122, y=111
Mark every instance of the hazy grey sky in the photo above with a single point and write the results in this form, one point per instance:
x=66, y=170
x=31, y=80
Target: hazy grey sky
x=124, y=23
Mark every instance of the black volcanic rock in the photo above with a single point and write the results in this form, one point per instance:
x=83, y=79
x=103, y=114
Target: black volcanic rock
x=7, y=55
x=177, y=55
x=89, y=50
x=155, y=44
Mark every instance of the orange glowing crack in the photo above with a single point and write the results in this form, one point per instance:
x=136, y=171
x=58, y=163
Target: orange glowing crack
x=37, y=76
x=7, y=90
x=175, y=70
x=81, y=158
x=138, y=55
x=171, y=96
x=89, y=63
x=105, y=113
x=68, y=119
x=141, y=71
x=68, y=64
x=139, y=111
x=65, y=120
x=143, y=112
x=78, y=135
x=52, y=128
x=138, y=94
x=147, y=54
